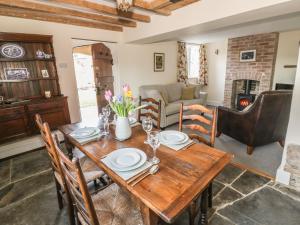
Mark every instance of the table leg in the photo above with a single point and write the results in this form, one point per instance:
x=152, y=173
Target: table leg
x=149, y=217
x=210, y=195
x=69, y=147
x=203, y=208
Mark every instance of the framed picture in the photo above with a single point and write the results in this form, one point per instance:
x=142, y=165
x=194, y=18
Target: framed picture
x=159, y=62
x=16, y=73
x=248, y=56
x=45, y=73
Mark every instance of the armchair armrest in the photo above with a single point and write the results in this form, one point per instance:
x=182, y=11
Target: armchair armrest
x=236, y=124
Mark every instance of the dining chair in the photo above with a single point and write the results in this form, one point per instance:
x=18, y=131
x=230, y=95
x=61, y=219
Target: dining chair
x=152, y=109
x=205, y=128
x=111, y=206
x=92, y=173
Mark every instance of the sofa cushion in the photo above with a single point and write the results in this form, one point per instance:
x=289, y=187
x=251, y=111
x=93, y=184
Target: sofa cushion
x=174, y=91
x=187, y=93
x=193, y=101
x=197, y=89
x=161, y=88
x=155, y=94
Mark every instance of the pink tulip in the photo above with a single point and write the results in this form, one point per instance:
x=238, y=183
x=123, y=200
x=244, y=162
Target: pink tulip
x=108, y=95
x=126, y=88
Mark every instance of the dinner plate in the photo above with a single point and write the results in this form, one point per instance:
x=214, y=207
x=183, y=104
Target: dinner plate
x=125, y=159
x=85, y=132
x=116, y=153
x=173, y=137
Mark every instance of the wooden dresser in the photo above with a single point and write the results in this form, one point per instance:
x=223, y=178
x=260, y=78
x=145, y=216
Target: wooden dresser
x=17, y=120
x=27, y=72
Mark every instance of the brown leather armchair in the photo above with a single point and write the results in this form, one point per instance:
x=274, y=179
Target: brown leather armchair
x=264, y=122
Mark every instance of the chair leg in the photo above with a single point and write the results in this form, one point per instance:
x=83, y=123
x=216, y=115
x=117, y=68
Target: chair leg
x=218, y=133
x=281, y=142
x=250, y=150
x=59, y=195
x=210, y=195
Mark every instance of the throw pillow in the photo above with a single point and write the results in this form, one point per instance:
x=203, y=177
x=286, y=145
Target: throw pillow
x=188, y=93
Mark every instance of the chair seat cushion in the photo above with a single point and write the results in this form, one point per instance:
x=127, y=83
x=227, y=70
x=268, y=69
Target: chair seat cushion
x=114, y=206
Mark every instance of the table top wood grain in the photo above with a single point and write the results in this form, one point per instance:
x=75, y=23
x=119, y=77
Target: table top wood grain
x=182, y=176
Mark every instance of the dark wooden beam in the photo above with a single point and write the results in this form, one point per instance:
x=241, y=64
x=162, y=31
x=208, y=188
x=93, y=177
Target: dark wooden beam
x=66, y=12
x=105, y=9
x=34, y=15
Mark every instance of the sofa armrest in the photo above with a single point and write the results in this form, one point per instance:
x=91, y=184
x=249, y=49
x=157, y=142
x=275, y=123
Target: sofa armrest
x=203, y=97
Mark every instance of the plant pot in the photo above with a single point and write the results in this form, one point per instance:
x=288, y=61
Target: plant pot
x=123, y=128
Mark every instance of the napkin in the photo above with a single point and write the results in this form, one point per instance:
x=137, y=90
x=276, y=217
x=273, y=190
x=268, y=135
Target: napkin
x=126, y=175
x=83, y=141
x=178, y=147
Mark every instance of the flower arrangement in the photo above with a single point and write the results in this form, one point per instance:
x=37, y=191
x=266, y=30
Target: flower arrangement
x=123, y=104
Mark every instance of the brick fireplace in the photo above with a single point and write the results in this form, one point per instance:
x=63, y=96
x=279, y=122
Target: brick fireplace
x=261, y=70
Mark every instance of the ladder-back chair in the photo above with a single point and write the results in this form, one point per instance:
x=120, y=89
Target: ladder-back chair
x=152, y=110
x=102, y=208
x=210, y=123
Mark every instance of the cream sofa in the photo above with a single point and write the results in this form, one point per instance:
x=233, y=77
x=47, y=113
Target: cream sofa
x=170, y=96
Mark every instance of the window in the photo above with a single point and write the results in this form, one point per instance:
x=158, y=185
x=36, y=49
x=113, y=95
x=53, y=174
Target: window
x=193, y=61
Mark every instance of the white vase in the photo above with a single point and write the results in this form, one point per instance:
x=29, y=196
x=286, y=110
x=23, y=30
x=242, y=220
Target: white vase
x=123, y=128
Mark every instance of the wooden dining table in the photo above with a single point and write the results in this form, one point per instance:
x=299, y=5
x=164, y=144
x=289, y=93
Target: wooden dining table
x=182, y=177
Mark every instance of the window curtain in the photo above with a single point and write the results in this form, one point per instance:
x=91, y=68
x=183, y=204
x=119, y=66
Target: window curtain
x=203, y=75
x=182, y=75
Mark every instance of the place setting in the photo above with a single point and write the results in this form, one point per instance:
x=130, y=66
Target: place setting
x=132, y=164
x=175, y=140
x=85, y=135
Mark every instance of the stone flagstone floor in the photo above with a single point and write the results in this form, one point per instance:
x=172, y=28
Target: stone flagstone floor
x=28, y=197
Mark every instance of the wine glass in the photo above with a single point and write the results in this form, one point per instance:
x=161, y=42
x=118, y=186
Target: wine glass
x=147, y=125
x=154, y=142
x=106, y=113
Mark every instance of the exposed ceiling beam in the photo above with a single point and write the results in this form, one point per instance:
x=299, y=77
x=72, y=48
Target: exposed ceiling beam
x=29, y=14
x=105, y=9
x=179, y=4
x=66, y=12
x=157, y=4
x=147, y=6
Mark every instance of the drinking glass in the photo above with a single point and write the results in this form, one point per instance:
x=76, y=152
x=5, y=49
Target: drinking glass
x=154, y=142
x=147, y=125
x=106, y=113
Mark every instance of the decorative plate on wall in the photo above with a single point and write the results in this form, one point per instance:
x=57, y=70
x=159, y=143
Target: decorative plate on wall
x=12, y=51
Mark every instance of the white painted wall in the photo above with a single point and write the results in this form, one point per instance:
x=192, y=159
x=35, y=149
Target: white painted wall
x=287, y=54
x=208, y=15
x=293, y=132
x=62, y=41
x=216, y=72
x=136, y=64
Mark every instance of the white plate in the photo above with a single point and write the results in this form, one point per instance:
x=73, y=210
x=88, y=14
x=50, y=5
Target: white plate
x=85, y=132
x=125, y=159
x=132, y=120
x=143, y=158
x=173, y=137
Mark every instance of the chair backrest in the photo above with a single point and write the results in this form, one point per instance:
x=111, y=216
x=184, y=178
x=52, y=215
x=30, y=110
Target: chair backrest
x=78, y=189
x=271, y=115
x=152, y=110
x=49, y=144
x=209, y=122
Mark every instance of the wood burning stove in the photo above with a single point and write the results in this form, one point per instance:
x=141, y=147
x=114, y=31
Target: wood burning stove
x=245, y=99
